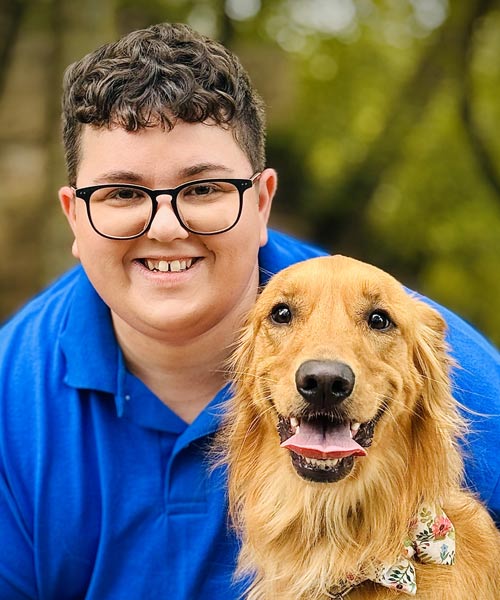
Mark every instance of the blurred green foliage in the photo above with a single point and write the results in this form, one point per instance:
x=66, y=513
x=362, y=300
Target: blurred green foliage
x=382, y=122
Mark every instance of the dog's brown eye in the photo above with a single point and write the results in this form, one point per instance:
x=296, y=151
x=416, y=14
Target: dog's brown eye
x=379, y=320
x=281, y=314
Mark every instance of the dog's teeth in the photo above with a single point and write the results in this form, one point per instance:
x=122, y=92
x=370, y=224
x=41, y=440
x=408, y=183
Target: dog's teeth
x=354, y=428
x=294, y=422
x=324, y=464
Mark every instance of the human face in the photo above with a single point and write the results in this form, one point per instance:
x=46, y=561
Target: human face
x=221, y=283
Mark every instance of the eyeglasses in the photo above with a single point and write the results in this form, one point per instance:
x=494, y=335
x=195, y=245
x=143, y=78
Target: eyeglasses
x=204, y=207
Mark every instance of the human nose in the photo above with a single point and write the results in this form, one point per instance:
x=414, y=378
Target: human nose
x=165, y=225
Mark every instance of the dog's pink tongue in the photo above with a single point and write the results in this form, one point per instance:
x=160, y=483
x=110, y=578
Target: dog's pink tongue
x=333, y=441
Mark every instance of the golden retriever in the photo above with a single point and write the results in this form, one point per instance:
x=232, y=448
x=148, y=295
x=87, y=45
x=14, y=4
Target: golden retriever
x=341, y=444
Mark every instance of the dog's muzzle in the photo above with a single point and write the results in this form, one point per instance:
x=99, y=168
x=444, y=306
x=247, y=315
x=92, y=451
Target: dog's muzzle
x=322, y=441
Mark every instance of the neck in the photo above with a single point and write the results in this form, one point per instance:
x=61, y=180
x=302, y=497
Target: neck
x=184, y=372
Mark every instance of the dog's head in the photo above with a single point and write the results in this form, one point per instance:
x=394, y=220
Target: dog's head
x=343, y=364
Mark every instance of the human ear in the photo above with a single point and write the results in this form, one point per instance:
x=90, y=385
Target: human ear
x=268, y=183
x=67, y=200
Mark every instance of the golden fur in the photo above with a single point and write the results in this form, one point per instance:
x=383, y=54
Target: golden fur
x=301, y=537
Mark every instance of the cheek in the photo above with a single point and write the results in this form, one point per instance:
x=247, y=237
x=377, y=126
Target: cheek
x=99, y=256
x=235, y=262
x=251, y=230
x=276, y=361
x=232, y=246
x=87, y=242
x=88, y=248
x=386, y=377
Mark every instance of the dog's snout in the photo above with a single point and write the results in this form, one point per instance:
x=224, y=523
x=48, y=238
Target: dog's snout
x=324, y=382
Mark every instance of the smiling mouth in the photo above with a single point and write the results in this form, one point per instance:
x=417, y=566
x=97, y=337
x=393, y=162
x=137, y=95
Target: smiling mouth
x=323, y=448
x=168, y=266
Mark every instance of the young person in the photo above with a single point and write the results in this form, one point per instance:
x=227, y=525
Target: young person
x=111, y=380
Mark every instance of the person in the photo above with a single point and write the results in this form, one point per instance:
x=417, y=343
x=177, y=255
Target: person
x=112, y=379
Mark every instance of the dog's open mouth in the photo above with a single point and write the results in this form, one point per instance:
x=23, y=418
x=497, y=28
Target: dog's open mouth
x=323, y=449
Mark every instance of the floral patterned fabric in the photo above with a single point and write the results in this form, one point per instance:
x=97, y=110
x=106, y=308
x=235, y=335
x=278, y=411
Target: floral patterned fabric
x=431, y=540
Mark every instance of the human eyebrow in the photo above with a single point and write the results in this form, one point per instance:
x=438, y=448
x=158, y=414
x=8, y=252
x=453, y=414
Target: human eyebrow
x=203, y=169
x=119, y=176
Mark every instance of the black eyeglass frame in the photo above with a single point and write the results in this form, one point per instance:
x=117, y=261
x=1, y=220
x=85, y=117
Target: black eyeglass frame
x=241, y=185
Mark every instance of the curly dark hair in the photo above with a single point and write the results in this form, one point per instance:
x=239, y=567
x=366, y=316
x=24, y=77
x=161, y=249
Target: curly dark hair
x=155, y=76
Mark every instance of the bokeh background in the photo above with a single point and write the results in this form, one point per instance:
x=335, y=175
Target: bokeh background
x=383, y=120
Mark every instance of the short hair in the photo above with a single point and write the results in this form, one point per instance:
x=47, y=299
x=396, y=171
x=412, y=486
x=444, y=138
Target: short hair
x=155, y=76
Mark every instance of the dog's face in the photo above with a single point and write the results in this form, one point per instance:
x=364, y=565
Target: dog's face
x=332, y=348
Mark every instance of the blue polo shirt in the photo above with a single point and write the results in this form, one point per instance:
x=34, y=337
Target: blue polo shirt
x=105, y=493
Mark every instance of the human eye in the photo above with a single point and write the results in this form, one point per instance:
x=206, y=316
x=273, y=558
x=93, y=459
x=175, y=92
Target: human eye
x=204, y=188
x=120, y=195
x=204, y=192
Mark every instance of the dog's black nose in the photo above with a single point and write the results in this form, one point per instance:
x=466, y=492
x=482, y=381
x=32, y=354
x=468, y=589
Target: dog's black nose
x=324, y=382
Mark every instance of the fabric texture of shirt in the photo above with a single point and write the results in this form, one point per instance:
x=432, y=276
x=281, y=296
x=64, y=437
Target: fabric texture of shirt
x=106, y=494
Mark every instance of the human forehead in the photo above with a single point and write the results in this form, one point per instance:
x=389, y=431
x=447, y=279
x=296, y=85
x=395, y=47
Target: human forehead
x=154, y=155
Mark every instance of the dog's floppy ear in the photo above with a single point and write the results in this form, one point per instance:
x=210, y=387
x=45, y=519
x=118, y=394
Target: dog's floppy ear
x=241, y=360
x=430, y=355
x=438, y=424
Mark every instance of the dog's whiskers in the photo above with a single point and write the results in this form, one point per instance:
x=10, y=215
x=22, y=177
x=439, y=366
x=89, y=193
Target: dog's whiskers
x=254, y=376
x=266, y=272
x=242, y=372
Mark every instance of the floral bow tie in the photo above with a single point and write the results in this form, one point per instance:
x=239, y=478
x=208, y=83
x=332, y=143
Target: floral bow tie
x=431, y=540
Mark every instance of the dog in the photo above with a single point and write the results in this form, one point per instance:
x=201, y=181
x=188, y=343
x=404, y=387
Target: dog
x=341, y=444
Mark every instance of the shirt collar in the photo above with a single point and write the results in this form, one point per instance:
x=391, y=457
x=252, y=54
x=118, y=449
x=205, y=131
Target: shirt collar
x=88, y=340
x=135, y=402
x=94, y=361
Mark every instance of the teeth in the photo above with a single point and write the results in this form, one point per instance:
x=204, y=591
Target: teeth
x=295, y=425
x=174, y=266
x=354, y=428
x=324, y=464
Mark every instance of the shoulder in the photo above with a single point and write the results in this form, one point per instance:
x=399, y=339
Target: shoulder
x=29, y=339
x=477, y=373
x=48, y=304
x=476, y=387
x=31, y=368
x=283, y=250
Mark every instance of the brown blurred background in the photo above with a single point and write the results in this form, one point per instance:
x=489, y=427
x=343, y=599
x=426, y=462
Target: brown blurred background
x=384, y=122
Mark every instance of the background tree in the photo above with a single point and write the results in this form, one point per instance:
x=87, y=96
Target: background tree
x=382, y=123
